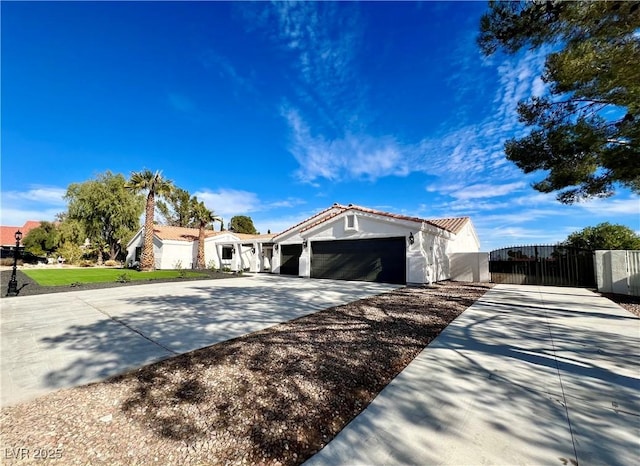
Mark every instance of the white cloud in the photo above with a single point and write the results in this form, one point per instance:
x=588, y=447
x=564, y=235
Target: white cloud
x=352, y=156
x=607, y=207
x=36, y=203
x=287, y=203
x=41, y=194
x=229, y=202
x=484, y=190
x=18, y=217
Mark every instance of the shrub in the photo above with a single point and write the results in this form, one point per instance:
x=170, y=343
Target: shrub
x=72, y=253
x=211, y=265
x=85, y=263
x=111, y=263
x=7, y=261
x=177, y=265
x=182, y=274
x=123, y=278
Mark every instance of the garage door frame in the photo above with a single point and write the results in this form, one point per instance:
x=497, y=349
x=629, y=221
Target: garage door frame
x=366, y=259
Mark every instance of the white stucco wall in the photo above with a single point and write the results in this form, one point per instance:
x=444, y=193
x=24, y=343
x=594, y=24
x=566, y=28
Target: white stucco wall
x=175, y=254
x=470, y=267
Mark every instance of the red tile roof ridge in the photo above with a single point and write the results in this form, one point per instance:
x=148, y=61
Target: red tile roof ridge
x=452, y=224
x=309, y=218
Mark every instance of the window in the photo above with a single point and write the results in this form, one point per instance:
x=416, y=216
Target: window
x=350, y=223
x=227, y=252
x=138, y=254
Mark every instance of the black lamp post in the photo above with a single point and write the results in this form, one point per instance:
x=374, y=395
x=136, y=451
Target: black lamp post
x=13, y=283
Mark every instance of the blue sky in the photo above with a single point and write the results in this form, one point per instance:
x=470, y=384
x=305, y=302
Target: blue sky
x=277, y=110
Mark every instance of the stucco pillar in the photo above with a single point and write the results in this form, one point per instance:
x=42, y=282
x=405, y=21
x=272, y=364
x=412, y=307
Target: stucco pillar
x=304, y=263
x=275, y=259
x=417, y=263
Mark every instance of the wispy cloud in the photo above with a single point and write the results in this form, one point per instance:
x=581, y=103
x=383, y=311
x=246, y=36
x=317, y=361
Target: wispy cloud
x=465, y=156
x=349, y=157
x=609, y=207
x=229, y=202
x=484, y=190
x=39, y=194
x=36, y=203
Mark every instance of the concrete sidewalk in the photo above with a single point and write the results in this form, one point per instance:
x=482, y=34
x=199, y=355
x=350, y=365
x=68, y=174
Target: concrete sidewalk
x=527, y=375
x=60, y=340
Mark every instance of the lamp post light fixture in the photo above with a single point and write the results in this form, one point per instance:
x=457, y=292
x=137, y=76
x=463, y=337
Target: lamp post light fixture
x=13, y=282
x=411, y=238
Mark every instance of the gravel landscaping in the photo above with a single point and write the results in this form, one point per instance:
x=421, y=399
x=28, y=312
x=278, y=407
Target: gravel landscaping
x=272, y=397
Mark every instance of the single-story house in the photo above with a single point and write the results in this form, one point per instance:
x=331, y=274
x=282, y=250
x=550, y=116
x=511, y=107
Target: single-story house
x=344, y=242
x=177, y=248
x=357, y=243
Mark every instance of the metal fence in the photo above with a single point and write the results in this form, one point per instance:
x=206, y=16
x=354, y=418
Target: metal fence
x=543, y=265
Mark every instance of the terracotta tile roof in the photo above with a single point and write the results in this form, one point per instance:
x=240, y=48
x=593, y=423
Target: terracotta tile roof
x=319, y=214
x=7, y=233
x=247, y=237
x=453, y=225
x=165, y=232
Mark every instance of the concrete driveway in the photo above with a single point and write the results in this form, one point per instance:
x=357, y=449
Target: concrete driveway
x=48, y=342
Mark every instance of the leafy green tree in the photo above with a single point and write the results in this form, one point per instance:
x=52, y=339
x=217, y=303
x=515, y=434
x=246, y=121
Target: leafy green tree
x=177, y=208
x=202, y=217
x=604, y=236
x=70, y=230
x=585, y=133
x=154, y=184
x=42, y=240
x=242, y=224
x=107, y=212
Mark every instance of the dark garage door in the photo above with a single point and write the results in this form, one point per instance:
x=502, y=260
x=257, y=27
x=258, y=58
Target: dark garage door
x=372, y=260
x=290, y=256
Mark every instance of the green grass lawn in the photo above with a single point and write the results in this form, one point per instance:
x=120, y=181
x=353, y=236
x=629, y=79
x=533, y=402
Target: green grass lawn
x=59, y=277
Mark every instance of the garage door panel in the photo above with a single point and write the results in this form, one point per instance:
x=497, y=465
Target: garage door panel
x=377, y=260
x=290, y=259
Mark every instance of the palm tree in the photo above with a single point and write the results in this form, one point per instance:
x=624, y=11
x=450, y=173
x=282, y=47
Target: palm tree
x=154, y=184
x=203, y=217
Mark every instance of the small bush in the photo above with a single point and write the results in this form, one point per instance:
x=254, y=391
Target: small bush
x=182, y=274
x=85, y=263
x=111, y=263
x=72, y=253
x=123, y=278
x=225, y=269
x=75, y=284
x=7, y=261
x=212, y=265
x=177, y=265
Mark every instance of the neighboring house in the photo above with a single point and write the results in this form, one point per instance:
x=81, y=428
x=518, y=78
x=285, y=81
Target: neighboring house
x=177, y=247
x=8, y=234
x=341, y=242
x=357, y=243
